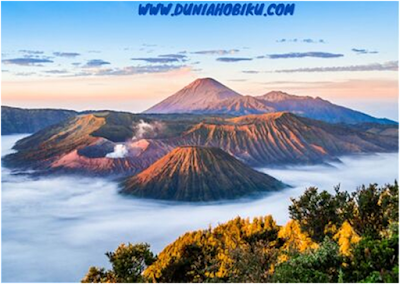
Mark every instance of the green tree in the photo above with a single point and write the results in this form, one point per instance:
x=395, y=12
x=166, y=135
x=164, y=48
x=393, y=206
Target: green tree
x=375, y=260
x=316, y=211
x=369, y=210
x=315, y=266
x=374, y=209
x=252, y=263
x=129, y=261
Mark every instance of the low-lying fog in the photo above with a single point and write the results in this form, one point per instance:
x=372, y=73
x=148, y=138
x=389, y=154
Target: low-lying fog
x=53, y=229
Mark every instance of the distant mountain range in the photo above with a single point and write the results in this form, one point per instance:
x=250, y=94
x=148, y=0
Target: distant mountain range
x=193, y=173
x=18, y=120
x=208, y=96
x=202, y=97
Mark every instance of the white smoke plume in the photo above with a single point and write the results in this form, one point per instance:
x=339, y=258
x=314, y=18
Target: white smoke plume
x=120, y=151
x=143, y=128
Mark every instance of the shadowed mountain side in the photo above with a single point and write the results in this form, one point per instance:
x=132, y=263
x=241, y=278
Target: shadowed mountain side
x=198, y=174
x=378, y=129
x=317, y=108
x=19, y=120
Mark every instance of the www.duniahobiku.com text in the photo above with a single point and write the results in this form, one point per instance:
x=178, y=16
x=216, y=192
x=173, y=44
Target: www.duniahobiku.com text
x=216, y=9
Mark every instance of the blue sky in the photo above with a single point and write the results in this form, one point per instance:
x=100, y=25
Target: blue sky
x=359, y=40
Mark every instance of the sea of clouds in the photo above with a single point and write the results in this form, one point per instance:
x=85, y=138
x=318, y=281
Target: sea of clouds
x=54, y=228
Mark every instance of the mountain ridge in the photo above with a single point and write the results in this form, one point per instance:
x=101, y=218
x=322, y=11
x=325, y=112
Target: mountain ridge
x=187, y=101
x=114, y=144
x=284, y=138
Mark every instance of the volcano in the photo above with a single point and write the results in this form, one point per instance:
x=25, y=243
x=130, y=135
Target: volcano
x=194, y=173
x=208, y=96
x=196, y=96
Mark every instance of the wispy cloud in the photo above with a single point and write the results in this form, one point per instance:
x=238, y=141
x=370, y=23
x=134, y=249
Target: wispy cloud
x=387, y=66
x=304, y=40
x=56, y=72
x=66, y=54
x=95, y=63
x=24, y=74
x=27, y=61
x=31, y=51
x=316, y=54
x=130, y=70
x=364, y=51
x=238, y=80
x=233, y=59
x=157, y=59
x=217, y=52
x=250, y=72
x=287, y=83
x=163, y=58
x=177, y=56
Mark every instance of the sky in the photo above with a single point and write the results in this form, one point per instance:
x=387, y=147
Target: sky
x=103, y=55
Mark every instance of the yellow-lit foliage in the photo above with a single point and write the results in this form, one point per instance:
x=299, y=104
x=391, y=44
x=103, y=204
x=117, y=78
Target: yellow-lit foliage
x=294, y=238
x=212, y=247
x=346, y=236
x=330, y=229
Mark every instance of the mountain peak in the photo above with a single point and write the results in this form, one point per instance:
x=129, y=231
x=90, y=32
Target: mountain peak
x=206, y=84
x=195, y=173
x=196, y=96
x=206, y=80
x=276, y=96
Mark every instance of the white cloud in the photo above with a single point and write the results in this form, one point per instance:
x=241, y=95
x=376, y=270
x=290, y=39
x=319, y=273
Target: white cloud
x=70, y=222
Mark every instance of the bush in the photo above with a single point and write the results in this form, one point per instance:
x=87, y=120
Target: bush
x=128, y=263
x=318, y=266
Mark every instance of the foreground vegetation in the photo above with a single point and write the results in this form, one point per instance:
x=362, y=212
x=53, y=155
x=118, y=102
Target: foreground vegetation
x=340, y=237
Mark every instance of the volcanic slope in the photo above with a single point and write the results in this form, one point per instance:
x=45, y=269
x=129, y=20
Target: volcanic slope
x=198, y=174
